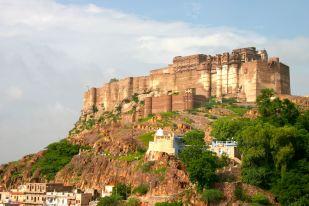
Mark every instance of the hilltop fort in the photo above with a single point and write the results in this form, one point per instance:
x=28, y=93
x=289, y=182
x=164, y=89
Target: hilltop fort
x=189, y=80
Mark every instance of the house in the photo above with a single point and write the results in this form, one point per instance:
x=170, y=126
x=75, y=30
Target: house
x=74, y=198
x=164, y=142
x=228, y=148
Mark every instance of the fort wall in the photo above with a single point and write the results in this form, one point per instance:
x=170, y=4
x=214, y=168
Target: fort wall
x=241, y=74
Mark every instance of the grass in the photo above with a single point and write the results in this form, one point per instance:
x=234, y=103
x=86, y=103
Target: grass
x=146, y=119
x=238, y=109
x=146, y=138
x=130, y=157
x=160, y=171
x=167, y=115
x=187, y=120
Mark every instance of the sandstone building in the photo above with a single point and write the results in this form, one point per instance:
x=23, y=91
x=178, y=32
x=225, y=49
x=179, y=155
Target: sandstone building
x=189, y=80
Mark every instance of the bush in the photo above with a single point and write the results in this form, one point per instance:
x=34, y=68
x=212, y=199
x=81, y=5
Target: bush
x=146, y=138
x=239, y=194
x=168, y=204
x=54, y=158
x=135, y=98
x=133, y=202
x=146, y=166
x=238, y=109
x=122, y=190
x=194, y=137
x=201, y=165
x=113, y=80
x=142, y=189
x=113, y=200
x=212, y=196
x=259, y=198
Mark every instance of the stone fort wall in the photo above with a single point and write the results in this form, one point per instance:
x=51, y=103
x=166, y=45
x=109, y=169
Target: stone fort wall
x=241, y=74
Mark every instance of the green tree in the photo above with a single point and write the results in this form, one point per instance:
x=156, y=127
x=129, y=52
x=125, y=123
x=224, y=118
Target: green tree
x=201, y=165
x=276, y=111
x=292, y=188
x=194, y=137
x=227, y=129
x=122, y=190
x=113, y=200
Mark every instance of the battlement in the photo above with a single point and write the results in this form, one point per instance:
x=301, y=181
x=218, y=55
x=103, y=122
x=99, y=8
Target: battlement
x=240, y=74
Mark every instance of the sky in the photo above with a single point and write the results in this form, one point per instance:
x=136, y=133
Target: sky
x=51, y=51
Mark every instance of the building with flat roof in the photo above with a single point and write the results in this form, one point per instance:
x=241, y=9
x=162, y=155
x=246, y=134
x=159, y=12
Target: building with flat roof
x=164, y=142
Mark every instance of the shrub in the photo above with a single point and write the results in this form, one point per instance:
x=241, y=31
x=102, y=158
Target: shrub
x=132, y=156
x=194, y=137
x=239, y=194
x=146, y=166
x=146, y=138
x=122, y=190
x=135, y=98
x=113, y=80
x=113, y=200
x=55, y=157
x=133, y=202
x=238, y=109
x=141, y=189
x=212, y=196
x=259, y=198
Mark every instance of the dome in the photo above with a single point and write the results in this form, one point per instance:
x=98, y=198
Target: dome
x=160, y=132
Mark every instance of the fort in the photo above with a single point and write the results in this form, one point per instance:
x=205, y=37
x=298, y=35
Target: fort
x=189, y=80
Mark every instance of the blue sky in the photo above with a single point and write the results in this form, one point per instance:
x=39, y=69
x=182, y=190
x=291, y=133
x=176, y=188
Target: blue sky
x=51, y=51
x=274, y=18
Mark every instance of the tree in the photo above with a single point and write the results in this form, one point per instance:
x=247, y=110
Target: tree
x=122, y=190
x=194, y=137
x=201, y=165
x=292, y=188
x=276, y=111
x=227, y=129
x=113, y=200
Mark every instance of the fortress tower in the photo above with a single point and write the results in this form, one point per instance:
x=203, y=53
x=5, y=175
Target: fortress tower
x=240, y=74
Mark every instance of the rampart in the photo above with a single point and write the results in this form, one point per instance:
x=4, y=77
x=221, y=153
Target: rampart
x=241, y=74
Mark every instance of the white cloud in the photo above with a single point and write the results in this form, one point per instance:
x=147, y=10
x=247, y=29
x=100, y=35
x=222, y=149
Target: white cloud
x=14, y=93
x=52, y=51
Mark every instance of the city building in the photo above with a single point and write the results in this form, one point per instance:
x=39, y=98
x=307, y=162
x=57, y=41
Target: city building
x=36, y=192
x=74, y=198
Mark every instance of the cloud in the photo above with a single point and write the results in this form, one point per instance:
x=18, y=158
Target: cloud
x=14, y=93
x=50, y=52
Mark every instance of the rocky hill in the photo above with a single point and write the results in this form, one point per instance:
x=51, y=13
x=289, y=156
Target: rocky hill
x=112, y=150
x=104, y=148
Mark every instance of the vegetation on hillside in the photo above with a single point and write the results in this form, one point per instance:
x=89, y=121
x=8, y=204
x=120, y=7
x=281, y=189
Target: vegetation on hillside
x=275, y=148
x=54, y=158
x=201, y=164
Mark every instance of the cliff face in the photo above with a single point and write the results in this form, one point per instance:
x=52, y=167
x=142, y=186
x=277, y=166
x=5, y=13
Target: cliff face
x=241, y=74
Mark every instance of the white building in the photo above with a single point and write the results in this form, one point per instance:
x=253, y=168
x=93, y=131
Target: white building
x=4, y=198
x=67, y=199
x=107, y=191
x=225, y=147
x=164, y=141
